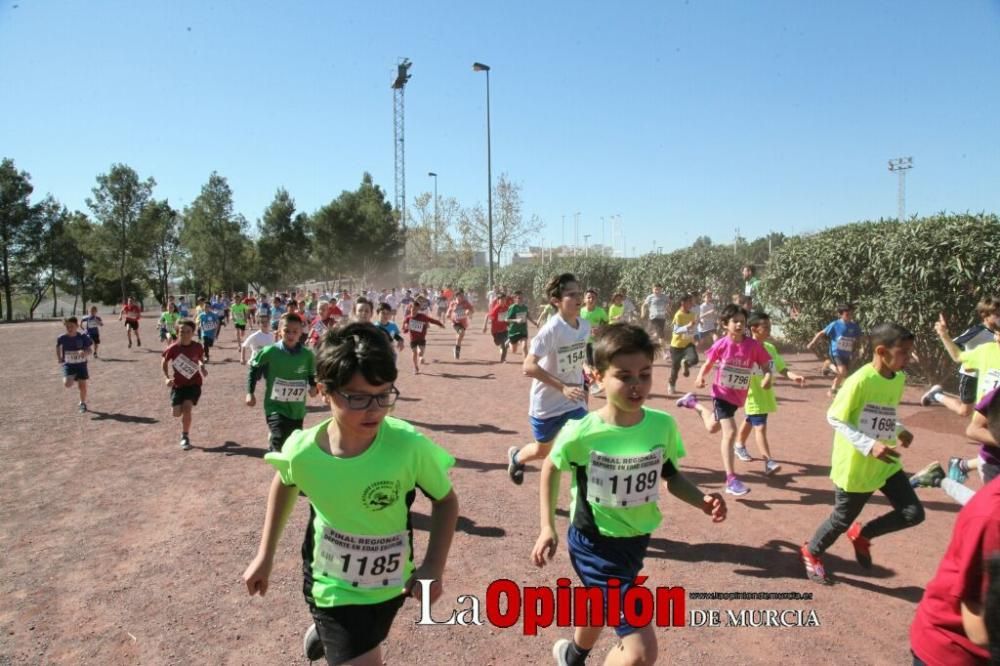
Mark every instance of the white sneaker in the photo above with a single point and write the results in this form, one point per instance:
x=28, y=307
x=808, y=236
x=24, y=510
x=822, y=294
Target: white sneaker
x=560, y=651
x=770, y=467
x=742, y=453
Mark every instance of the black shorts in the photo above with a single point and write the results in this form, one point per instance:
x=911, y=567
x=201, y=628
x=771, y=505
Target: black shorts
x=516, y=337
x=95, y=336
x=208, y=341
x=181, y=394
x=240, y=327
x=281, y=428
x=966, y=388
x=418, y=343
x=723, y=409
x=132, y=323
x=659, y=326
x=458, y=328
x=78, y=371
x=348, y=632
x=500, y=339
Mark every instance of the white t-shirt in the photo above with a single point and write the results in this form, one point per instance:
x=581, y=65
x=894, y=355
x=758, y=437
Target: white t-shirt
x=708, y=317
x=657, y=306
x=561, y=351
x=257, y=341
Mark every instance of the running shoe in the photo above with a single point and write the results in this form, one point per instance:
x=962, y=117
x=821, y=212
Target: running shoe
x=927, y=399
x=955, y=472
x=560, y=651
x=742, y=453
x=826, y=371
x=312, y=646
x=83, y=408
x=928, y=477
x=671, y=390
x=688, y=401
x=736, y=487
x=815, y=571
x=862, y=546
x=185, y=444
x=515, y=470
x=770, y=467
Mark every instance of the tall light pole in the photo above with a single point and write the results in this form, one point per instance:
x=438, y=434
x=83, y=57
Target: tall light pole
x=586, y=245
x=480, y=67
x=576, y=233
x=901, y=165
x=437, y=222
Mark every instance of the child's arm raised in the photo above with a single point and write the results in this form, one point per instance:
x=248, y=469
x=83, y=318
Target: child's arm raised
x=444, y=515
x=941, y=328
x=280, y=502
x=548, y=496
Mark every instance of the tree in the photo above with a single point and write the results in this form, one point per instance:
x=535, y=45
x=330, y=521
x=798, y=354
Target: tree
x=702, y=241
x=77, y=262
x=510, y=228
x=215, y=237
x=430, y=242
x=15, y=215
x=36, y=262
x=283, y=242
x=164, y=225
x=118, y=202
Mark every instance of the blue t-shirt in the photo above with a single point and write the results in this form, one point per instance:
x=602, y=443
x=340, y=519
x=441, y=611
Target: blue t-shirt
x=390, y=329
x=264, y=308
x=73, y=346
x=182, y=309
x=208, y=322
x=91, y=323
x=843, y=336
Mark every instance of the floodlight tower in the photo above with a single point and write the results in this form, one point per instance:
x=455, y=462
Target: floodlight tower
x=901, y=165
x=398, y=109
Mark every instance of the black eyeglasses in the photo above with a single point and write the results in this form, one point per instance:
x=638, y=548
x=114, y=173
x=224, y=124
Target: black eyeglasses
x=361, y=401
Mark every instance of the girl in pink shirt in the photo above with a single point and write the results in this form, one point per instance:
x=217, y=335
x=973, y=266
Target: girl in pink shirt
x=735, y=357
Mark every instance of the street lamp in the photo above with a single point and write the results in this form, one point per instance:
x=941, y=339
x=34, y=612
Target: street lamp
x=436, y=220
x=586, y=245
x=480, y=67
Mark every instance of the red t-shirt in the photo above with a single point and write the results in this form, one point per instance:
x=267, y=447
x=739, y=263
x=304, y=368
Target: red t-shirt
x=498, y=312
x=186, y=370
x=936, y=635
x=416, y=326
x=460, y=310
x=250, y=302
x=131, y=311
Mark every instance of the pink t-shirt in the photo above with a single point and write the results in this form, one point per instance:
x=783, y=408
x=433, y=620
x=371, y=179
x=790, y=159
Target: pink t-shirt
x=734, y=364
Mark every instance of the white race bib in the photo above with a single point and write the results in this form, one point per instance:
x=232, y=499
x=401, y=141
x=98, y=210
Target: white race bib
x=571, y=358
x=459, y=313
x=75, y=357
x=185, y=366
x=208, y=325
x=416, y=326
x=502, y=316
x=878, y=422
x=288, y=390
x=735, y=377
x=989, y=381
x=521, y=317
x=362, y=561
x=624, y=481
x=845, y=344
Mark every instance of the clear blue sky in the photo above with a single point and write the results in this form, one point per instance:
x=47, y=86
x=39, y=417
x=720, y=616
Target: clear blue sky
x=686, y=118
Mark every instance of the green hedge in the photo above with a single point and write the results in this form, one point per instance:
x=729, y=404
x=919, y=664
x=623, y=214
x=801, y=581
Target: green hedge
x=906, y=273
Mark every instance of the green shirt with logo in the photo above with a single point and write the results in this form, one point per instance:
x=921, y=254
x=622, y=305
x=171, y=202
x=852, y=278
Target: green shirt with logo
x=597, y=317
x=517, y=320
x=288, y=375
x=357, y=546
x=761, y=400
x=239, y=313
x=617, y=471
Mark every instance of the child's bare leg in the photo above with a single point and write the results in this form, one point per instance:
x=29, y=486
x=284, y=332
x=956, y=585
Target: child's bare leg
x=707, y=417
x=186, y=410
x=82, y=385
x=68, y=381
x=533, y=451
x=744, y=433
x=638, y=648
x=728, y=437
x=760, y=436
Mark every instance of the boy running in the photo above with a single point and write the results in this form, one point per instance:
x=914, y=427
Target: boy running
x=208, y=327
x=289, y=372
x=497, y=320
x=556, y=363
x=257, y=340
x=737, y=357
x=239, y=312
x=186, y=359
x=617, y=458
x=865, y=454
x=843, y=334
x=359, y=470
x=683, y=352
x=72, y=350
x=517, y=324
x=597, y=317
x=387, y=326
x=131, y=313
x=415, y=323
x=655, y=307
x=92, y=325
x=762, y=401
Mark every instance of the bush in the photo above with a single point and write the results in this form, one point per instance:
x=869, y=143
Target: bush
x=688, y=270
x=907, y=273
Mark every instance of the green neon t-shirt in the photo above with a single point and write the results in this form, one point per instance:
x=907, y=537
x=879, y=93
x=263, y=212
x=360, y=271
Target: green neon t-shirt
x=168, y=320
x=357, y=545
x=615, y=312
x=597, y=317
x=239, y=312
x=287, y=375
x=985, y=360
x=617, y=471
x=761, y=400
x=517, y=320
x=867, y=402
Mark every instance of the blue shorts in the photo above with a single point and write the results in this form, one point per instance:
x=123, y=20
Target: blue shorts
x=597, y=559
x=841, y=359
x=545, y=430
x=757, y=419
x=77, y=371
x=723, y=409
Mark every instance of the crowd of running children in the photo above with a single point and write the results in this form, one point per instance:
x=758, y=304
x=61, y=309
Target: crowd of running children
x=358, y=563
